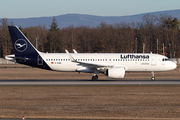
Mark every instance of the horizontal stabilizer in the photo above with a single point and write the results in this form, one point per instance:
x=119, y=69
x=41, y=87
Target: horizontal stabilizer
x=13, y=58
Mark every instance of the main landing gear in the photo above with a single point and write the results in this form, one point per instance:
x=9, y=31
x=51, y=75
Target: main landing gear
x=95, y=77
x=153, y=77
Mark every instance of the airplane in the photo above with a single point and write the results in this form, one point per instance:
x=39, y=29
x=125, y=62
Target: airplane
x=113, y=65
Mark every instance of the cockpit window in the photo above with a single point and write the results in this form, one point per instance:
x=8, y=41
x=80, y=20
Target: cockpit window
x=165, y=59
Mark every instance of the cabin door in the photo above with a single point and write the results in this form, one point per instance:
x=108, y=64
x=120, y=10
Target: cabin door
x=39, y=60
x=153, y=59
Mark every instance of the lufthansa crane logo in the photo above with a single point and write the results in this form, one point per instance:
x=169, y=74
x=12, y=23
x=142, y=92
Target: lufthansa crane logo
x=20, y=45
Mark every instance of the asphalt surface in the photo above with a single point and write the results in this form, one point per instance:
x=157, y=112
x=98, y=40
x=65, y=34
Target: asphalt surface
x=37, y=119
x=87, y=82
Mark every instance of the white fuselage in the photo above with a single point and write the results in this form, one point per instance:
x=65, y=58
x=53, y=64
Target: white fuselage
x=131, y=61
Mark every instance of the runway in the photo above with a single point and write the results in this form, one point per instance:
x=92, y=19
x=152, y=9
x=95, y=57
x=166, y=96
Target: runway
x=86, y=82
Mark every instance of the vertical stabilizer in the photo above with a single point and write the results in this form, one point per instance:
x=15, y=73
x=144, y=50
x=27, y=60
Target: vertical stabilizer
x=21, y=44
x=25, y=52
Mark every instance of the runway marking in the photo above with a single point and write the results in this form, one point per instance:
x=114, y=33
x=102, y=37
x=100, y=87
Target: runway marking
x=85, y=106
x=86, y=82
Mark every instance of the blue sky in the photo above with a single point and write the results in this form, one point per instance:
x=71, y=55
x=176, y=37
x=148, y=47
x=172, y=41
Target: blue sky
x=44, y=8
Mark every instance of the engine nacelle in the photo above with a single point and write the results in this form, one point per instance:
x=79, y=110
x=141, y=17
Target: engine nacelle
x=116, y=72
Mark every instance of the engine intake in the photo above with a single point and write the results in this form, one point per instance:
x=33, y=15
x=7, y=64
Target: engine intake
x=115, y=72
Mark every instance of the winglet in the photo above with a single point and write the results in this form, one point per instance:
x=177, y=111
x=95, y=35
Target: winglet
x=70, y=56
x=75, y=51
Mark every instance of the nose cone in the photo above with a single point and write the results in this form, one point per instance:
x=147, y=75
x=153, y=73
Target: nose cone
x=169, y=65
x=173, y=66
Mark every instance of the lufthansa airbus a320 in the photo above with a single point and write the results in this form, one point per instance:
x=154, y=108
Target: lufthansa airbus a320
x=114, y=65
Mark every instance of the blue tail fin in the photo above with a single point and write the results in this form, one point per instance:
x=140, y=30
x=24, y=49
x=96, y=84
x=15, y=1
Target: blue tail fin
x=20, y=43
x=24, y=51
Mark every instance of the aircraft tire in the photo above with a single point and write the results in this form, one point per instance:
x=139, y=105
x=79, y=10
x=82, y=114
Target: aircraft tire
x=153, y=78
x=94, y=78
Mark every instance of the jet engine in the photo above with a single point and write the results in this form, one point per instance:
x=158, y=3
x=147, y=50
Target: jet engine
x=115, y=72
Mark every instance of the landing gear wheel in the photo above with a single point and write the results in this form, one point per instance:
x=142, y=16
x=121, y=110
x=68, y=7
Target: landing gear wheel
x=153, y=78
x=95, y=78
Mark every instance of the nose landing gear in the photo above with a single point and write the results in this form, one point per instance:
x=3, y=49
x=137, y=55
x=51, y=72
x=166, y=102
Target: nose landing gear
x=153, y=77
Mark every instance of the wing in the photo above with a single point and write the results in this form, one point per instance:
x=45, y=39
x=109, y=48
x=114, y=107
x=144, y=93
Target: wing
x=91, y=65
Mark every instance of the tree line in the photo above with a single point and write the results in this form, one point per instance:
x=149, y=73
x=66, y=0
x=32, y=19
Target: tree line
x=156, y=34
